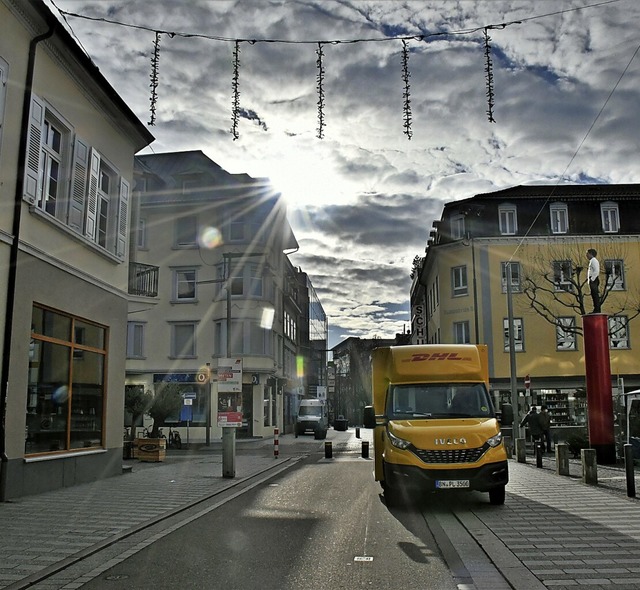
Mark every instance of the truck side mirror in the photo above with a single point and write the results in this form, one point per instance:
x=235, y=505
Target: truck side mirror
x=506, y=411
x=369, y=418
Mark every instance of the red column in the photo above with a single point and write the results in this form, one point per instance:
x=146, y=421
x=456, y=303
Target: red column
x=599, y=394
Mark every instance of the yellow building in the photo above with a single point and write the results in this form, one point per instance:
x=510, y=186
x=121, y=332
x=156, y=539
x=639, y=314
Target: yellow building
x=541, y=234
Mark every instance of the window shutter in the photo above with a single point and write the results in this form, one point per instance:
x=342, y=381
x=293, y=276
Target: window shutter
x=79, y=185
x=34, y=151
x=92, y=196
x=123, y=219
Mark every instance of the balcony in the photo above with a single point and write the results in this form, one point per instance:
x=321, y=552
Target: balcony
x=143, y=279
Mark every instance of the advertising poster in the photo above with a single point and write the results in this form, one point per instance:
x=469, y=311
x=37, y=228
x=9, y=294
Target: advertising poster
x=230, y=392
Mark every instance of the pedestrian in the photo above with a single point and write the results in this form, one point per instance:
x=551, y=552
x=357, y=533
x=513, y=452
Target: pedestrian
x=593, y=276
x=532, y=419
x=545, y=424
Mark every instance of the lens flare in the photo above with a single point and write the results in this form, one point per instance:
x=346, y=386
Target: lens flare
x=210, y=238
x=266, y=321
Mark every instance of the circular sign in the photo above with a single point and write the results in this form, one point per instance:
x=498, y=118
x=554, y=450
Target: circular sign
x=527, y=381
x=202, y=377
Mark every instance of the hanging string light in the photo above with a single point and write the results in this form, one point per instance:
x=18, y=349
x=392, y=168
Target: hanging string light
x=235, y=85
x=406, y=92
x=320, y=89
x=155, y=64
x=488, y=72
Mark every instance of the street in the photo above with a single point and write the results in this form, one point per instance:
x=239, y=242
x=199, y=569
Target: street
x=304, y=520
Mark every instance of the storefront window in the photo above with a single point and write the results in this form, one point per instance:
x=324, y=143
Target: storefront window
x=66, y=383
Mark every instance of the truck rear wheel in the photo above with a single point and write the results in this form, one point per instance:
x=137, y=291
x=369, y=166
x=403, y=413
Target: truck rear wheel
x=497, y=496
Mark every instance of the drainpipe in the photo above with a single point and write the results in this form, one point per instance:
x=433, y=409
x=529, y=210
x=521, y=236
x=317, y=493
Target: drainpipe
x=13, y=255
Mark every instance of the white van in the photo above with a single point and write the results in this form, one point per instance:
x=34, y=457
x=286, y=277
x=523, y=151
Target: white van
x=312, y=415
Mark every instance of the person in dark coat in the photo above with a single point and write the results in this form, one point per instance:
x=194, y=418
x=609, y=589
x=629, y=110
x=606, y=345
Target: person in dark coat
x=532, y=420
x=545, y=424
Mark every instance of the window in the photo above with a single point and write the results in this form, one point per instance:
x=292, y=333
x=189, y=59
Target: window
x=247, y=337
x=610, y=217
x=67, y=359
x=457, y=227
x=186, y=232
x=566, y=334
x=236, y=229
x=459, y=280
x=515, y=276
x=618, y=331
x=248, y=281
x=183, y=339
x=184, y=284
x=135, y=340
x=142, y=234
x=559, y=218
x=461, y=333
x=614, y=273
x=69, y=181
x=290, y=326
x=562, y=275
x=507, y=215
x=518, y=335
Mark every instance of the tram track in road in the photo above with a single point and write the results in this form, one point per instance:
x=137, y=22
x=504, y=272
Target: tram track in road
x=72, y=571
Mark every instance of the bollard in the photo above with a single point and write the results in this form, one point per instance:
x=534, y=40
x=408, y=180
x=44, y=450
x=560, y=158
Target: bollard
x=589, y=466
x=508, y=446
x=538, y=450
x=328, y=450
x=276, y=442
x=521, y=450
x=562, y=459
x=357, y=431
x=629, y=470
x=365, y=449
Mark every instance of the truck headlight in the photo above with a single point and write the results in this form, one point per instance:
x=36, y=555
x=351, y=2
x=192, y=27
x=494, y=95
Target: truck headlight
x=494, y=441
x=397, y=442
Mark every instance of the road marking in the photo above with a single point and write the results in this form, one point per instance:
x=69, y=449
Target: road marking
x=363, y=558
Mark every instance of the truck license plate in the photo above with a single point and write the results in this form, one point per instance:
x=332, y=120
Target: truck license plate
x=452, y=483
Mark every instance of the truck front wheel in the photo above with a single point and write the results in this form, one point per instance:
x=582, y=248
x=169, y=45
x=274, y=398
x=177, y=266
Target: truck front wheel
x=497, y=495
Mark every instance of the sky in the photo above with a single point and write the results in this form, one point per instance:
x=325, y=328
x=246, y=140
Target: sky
x=404, y=131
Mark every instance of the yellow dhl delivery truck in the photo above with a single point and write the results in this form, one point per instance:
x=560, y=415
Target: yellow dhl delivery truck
x=435, y=423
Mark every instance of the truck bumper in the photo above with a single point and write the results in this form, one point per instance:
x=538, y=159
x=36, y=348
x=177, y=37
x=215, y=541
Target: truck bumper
x=481, y=479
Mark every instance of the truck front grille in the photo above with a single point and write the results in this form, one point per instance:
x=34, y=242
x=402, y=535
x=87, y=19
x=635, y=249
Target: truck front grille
x=450, y=455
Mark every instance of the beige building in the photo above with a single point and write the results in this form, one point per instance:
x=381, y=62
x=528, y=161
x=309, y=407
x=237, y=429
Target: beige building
x=225, y=290
x=540, y=233
x=66, y=167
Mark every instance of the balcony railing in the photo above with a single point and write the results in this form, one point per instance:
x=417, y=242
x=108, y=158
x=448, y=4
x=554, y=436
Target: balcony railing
x=143, y=279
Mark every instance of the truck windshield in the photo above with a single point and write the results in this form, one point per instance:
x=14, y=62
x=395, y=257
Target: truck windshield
x=309, y=411
x=439, y=400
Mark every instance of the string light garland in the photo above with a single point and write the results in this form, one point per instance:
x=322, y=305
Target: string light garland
x=406, y=92
x=235, y=85
x=488, y=74
x=320, y=89
x=407, y=114
x=155, y=64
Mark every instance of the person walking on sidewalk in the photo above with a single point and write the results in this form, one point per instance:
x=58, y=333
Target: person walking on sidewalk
x=545, y=424
x=532, y=419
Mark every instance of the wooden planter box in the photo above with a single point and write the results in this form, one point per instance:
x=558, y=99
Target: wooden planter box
x=149, y=449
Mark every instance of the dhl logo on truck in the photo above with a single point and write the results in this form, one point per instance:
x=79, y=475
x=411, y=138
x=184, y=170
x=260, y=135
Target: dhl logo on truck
x=436, y=356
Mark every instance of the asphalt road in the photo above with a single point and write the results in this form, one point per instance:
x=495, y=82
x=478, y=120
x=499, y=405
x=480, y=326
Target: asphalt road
x=322, y=524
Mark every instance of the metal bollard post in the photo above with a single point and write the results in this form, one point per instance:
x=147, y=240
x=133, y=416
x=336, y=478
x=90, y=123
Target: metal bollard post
x=538, y=455
x=276, y=442
x=365, y=449
x=629, y=470
x=508, y=446
x=521, y=450
x=562, y=459
x=589, y=466
x=328, y=450
x=357, y=431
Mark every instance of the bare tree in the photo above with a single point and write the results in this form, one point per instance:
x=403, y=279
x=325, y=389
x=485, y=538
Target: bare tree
x=554, y=281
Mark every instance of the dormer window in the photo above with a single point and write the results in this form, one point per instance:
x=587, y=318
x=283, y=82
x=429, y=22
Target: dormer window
x=457, y=227
x=559, y=218
x=610, y=217
x=508, y=218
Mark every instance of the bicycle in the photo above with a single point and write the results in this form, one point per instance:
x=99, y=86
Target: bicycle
x=146, y=433
x=174, y=439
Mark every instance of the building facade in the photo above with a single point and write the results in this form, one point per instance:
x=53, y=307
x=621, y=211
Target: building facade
x=538, y=237
x=66, y=162
x=226, y=290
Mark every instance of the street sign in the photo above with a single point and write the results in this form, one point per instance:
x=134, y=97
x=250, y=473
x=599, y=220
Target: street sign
x=188, y=401
x=527, y=382
x=189, y=395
